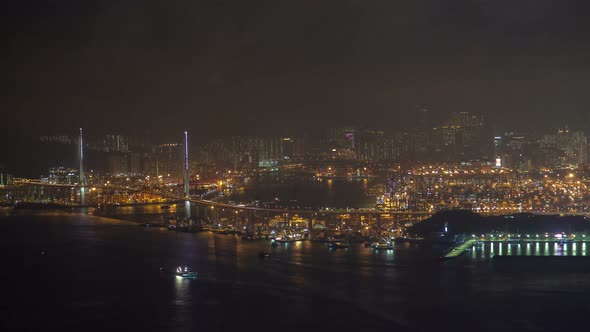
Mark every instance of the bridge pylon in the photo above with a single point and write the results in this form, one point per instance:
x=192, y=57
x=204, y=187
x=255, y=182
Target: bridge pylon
x=81, y=170
x=186, y=167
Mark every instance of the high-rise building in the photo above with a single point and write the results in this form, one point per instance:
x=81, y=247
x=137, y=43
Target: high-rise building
x=394, y=147
x=300, y=147
x=270, y=149
x=341, y=138
x=5, y=177
x=168, y=159
x=466, y=135
x=62, y=139
x=287, y=148
x=419, y=144
x=516, y=149
x=424, y=122
x=217, y=152
x=252, y=150
x=140, y=143
x=135, y=163
x=369, y=144
x=573, y=144
x=117, y=163
x=116, y=143
x=245, y=151
x=62, y=175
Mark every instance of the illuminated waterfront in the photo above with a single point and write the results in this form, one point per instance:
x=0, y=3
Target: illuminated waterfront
x=531, y=248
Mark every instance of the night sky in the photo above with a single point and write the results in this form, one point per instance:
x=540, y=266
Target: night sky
x=225, y=67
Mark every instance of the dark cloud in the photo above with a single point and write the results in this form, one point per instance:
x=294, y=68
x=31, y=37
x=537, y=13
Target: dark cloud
x=219, y=67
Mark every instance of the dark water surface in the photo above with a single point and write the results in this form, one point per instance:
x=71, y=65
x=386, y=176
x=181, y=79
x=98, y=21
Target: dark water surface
x=103, y=274
x=333, y=193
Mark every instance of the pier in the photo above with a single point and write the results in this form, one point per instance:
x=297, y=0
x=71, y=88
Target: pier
x=457, y=250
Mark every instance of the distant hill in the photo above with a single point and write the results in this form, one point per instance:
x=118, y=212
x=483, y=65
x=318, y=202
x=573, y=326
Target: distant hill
x=468, y=222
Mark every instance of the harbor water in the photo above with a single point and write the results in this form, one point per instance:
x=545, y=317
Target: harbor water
x=77, y=271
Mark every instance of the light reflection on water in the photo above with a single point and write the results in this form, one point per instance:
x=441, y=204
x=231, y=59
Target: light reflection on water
x=489, y=249
x=181, y=291
x=181, y=302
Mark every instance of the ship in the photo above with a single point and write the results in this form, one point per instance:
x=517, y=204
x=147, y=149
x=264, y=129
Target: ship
x=338, y=245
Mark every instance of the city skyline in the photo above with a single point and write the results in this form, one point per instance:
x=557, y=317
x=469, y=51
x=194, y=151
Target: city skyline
x=461, y=137
x=295, y=165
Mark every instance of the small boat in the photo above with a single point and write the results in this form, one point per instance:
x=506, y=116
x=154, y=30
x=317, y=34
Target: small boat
x=263, y=255
x=230, y=231
x=252, y=237
x=183, y=272
x=337, y=245
x=287, y=239
x=382, y=246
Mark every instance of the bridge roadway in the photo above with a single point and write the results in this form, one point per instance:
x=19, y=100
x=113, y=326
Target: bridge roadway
x=271, y=210
x=225, y=205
